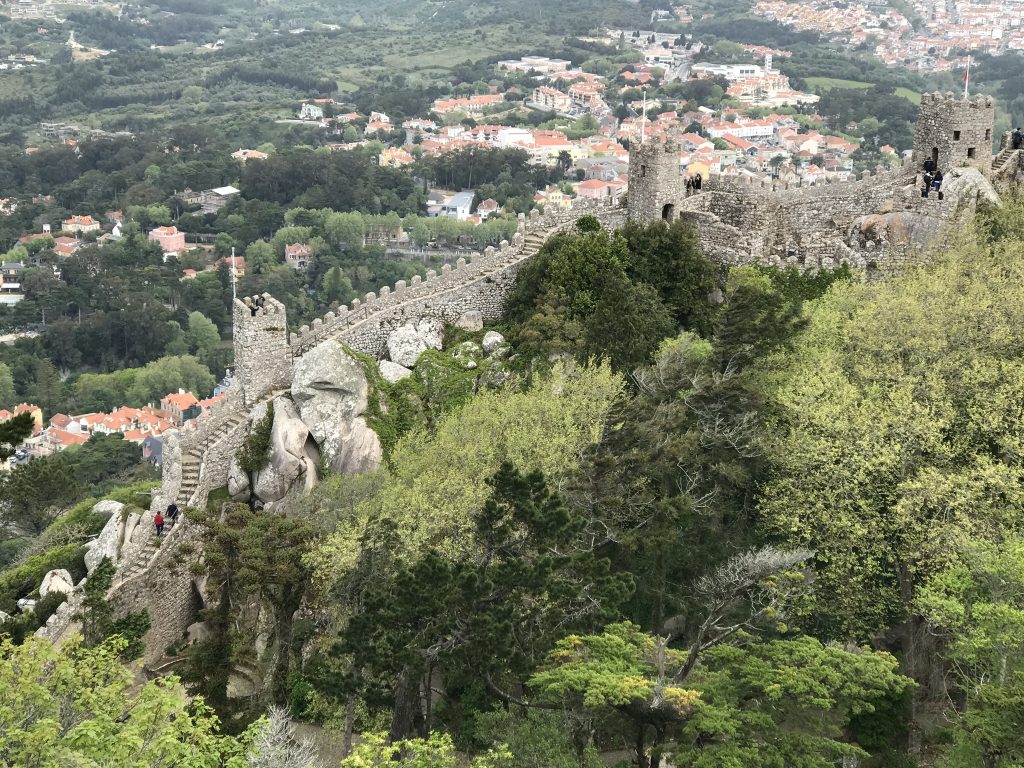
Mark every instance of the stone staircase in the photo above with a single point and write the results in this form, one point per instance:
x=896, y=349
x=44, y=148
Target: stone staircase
x=532, y=243
x=1004, y=157
x=140, y=562
x=192, y=459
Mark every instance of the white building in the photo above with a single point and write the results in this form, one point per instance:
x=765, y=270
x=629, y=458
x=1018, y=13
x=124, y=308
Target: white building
x=311, y=112
x=730, y=72
x=540, y=64
x=459, y=206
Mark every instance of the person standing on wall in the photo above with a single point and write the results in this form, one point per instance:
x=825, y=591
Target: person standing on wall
x=158, y=523
x=1017, y=138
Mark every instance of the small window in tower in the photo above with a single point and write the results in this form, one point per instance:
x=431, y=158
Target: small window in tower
x=988, y=134
x=956, y=135
x=643, y=171
x=970, y=152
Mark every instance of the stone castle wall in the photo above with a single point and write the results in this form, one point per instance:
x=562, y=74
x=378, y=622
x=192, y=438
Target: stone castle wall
x=746, y=223
x=166, y=589
x=481, y=283
x=264, y=354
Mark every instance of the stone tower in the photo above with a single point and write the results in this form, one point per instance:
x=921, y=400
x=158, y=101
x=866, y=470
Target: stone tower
x=656, y=188
x=263, y=358
x=954, y=131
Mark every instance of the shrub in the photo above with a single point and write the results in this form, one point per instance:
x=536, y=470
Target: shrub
x=24, y=580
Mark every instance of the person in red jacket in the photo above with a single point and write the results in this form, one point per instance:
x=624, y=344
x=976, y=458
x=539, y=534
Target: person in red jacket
x=158, y=521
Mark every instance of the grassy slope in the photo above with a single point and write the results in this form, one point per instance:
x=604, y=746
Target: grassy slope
x=828, y=83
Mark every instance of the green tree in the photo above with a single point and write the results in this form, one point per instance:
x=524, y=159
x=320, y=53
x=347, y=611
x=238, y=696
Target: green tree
x=898, y=398
x=254, y=454
x=536, y=738
x=545, y=428
x=34, y=493
x=759, y=703
x=14, y=431
x=81, y=706
x=260, y=257
x=437, y=751
x=337, y=287
x=7, y=393
x=346, y=228
x=97, y=616
x=203, y=337
x=756, y=319
x=250, y=554
x=977, y=604
x=492, y=612
x=669, y=259
x=627, y=324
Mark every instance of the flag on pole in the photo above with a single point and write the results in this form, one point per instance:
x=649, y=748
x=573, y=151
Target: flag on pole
x=967, y=76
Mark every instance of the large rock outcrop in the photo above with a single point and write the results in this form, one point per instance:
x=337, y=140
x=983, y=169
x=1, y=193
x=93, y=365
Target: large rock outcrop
x=491, y=341
x=970, y=189
x=55, y=581
x=294, y=465
x=900, y=228
x=108, y=543
x=331, y=393
x=407, y=342
x=294, y=458
x=393, y=372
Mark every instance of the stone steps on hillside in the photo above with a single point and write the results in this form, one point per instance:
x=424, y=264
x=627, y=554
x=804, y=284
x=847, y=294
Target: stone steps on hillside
x=1003, y=157
x=227, y=426
x=192, y=459
x=141, y=560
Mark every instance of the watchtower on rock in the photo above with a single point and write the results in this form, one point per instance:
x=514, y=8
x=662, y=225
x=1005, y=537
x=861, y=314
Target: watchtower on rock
x=656, y=187
x=954, y=131
x=263, y=358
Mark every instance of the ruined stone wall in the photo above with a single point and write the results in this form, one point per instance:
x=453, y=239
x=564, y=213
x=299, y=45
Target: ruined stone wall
x=263, y=364
x=217, y=459
x=165, y=589
x=755, y=223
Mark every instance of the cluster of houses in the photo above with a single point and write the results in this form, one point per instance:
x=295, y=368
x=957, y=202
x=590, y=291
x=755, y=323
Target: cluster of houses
x=756, y=85
x=16, y=61
x=935, y=41
x=143, y=426
x=727, y=143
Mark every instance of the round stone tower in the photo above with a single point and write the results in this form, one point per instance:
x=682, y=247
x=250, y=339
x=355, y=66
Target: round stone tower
x=954, y=131
x=656, y=188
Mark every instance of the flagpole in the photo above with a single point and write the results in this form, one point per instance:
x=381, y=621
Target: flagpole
x=967, y=75
x=643, y=121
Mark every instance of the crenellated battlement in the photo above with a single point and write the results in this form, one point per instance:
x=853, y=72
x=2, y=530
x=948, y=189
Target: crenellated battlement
x=476, y=283
x=950, y=100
